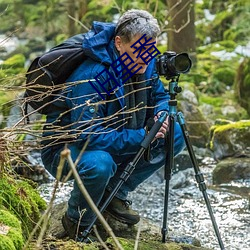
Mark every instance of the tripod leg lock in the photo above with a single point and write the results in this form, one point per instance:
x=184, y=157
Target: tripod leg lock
x=127, y=172
x=200, y=180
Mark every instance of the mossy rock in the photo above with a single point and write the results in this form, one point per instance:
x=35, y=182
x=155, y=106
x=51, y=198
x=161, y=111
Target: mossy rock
x=231, y=169
x=232, y=139
x=128, y=244
x=10, y=231
x=22, y=200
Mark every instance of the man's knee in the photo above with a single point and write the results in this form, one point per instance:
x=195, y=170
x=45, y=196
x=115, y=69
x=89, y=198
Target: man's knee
x=97, y=165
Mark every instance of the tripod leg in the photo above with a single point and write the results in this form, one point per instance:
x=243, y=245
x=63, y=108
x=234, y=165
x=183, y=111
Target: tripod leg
x=168, y=173
x=199, y=177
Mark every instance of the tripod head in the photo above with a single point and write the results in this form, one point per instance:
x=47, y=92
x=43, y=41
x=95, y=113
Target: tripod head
x=174, y=89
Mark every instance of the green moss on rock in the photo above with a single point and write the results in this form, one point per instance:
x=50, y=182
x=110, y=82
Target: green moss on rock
x=128, y=244
x=230, y=139
x=12, y=238
x=22, y=200
x=6, y=243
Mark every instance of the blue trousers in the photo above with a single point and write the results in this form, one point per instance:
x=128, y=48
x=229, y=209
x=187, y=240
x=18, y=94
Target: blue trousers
x=100, y=170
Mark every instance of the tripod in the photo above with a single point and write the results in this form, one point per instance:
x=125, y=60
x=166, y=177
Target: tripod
x=169, y=163
x=129, y=169
x=173, y=90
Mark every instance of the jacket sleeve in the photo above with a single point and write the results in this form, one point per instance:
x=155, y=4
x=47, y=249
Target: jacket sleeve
x=89, y=122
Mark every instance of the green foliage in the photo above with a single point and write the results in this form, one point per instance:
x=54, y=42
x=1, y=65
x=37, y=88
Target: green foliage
x=16, y=61
x=214, y=101
x=12, y=67
x=230, y=22
x=224, y=75
x=219, y=102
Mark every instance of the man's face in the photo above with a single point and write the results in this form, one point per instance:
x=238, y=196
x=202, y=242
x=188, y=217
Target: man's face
x=126, y=47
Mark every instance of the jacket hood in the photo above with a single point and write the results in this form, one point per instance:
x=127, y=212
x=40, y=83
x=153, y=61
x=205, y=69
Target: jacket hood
x=98, y=43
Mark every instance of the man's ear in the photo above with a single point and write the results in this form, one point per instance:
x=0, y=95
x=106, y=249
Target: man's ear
x=118, y=42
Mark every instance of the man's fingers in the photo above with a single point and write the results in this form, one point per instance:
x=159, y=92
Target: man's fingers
x=159, y=135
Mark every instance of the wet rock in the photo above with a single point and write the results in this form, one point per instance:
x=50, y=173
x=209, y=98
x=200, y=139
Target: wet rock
x=31, y=167
x=181, y=179
x=231, y=169
x=232, y=139
x=197, y=125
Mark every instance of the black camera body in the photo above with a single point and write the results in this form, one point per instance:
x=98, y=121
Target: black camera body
x=172, y=65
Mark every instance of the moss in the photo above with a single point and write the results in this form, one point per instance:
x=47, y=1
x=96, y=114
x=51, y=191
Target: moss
x=128, y=244
x=221, y=132
x=16, y=237
x=214, y=101
x=236, y=125
x=9, y=219
x=6, y=243
x=229, y=45
x=219, y=102
x=22, y=200
x=13, y=239
x=225, y=75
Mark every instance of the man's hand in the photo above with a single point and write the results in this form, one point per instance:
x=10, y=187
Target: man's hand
x=164, y=128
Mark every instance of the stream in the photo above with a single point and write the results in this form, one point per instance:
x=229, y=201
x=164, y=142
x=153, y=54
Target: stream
x=187, y=212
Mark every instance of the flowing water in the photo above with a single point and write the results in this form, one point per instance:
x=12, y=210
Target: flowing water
x=187, y=212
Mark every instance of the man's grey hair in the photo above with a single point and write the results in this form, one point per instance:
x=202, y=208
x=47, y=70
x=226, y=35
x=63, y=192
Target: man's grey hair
x=137, y=22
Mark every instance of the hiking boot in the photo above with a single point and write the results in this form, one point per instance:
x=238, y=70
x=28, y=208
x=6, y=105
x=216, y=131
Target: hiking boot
x=121, y=211
x=75, y=231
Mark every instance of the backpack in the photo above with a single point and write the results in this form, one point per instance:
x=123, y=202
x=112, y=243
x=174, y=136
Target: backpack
x=48, y=73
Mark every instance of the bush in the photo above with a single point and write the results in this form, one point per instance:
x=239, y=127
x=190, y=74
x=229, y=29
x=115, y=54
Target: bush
x=224, y=75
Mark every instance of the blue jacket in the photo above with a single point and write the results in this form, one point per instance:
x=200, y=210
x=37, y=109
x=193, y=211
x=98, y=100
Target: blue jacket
x=88, y=116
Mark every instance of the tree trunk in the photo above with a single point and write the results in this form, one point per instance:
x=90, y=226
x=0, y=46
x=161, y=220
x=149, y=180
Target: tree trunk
x=181, y=27
x=83, y=7
x=72, y=13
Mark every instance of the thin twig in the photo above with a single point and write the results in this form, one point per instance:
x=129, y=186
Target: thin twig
x=137, y=236
x=66, y=154
x=99, y=238
x=77, y=21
